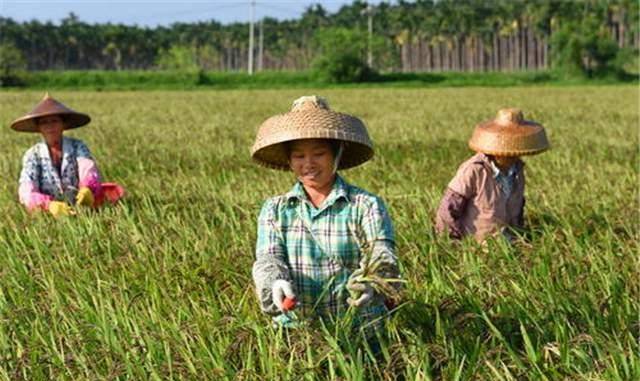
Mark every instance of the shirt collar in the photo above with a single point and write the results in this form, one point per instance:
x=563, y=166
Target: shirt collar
x=339, y=190
x=508, y=173
x=484, y=159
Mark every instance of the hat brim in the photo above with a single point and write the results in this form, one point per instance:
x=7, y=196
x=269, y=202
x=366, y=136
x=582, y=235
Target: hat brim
x=517, y=139
x=276, y=156
x=72, y=120
x=270, y=147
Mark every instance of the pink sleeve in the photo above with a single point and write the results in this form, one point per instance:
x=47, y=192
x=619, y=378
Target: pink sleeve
x=31, y=198
x=89, y=176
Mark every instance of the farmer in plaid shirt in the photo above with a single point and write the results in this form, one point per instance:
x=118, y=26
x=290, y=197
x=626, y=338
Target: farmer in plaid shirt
x=317, y=242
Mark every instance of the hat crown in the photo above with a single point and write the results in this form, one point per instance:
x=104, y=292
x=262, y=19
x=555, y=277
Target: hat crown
x=310, y=102
x=508, y=116
x=509, y=135
x=311, y=118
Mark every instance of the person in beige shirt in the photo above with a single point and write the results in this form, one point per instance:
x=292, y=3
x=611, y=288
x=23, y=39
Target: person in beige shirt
x=486, y=196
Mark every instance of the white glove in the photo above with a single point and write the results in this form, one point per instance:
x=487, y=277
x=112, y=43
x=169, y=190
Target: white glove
x=366, y=294
x=281, y=288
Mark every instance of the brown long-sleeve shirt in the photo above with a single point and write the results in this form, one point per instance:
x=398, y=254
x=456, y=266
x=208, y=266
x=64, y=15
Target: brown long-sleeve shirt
x=474, y=203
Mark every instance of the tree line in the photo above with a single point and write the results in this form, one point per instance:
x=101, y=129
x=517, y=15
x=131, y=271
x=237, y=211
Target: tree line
x=422, y=35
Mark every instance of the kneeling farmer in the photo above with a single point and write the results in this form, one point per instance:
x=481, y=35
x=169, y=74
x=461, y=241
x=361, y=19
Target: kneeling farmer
x=325, y=245
x=59, y=172
x=486, y=196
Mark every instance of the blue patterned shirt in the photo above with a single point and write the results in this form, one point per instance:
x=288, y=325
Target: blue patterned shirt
x=39, y=172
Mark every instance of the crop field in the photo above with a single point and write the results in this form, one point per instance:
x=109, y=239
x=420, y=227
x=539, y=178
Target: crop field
x=159, y=287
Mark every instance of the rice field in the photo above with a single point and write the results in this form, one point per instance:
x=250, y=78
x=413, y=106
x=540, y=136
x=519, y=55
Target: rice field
x=159, y=287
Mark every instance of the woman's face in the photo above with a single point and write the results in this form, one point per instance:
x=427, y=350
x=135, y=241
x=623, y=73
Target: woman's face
x=50, y=126
x=312, y=162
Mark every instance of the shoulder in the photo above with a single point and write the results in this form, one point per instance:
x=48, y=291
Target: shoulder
x=364, y=199
x=75, y=142
x=272, y=206
x=470, y=175
x=32, y=152
x=476, y=164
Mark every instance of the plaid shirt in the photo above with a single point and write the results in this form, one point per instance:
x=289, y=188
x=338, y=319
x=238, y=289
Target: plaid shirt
x=317, y=249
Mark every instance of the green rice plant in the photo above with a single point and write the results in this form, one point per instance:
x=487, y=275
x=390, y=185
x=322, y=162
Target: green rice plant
x=159, y=286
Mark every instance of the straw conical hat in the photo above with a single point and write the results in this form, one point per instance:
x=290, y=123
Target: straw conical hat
x=509, y=135
x=311, y=118
x=49, y=106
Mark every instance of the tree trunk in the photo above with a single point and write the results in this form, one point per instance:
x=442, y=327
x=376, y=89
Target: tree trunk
x=404, y=57
x=495, y=54
x=429, y=60
x=514, y=52
x=504, y=53
x=545, y=53
x=621, y=28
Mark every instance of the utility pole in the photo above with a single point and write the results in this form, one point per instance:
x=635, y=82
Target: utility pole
x=369, y=11
x=261, y=45
x=252, y=11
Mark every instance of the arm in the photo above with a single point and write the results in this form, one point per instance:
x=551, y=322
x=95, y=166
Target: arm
x=28, y=192
x=519, y=219
x=374, y=235
x=461, y=189
x=88, y=174
x=271, y=262
x=451, y=209
x=378, y=232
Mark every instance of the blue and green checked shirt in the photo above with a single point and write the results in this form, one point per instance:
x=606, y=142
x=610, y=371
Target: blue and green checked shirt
x=317, y=249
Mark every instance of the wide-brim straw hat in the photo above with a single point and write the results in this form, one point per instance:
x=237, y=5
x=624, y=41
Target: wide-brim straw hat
x=509, y=135
x=311, y=118
x=47, y=107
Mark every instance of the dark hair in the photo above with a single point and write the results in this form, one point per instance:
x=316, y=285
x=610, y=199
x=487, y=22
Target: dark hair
x=61, y=116
x=333, y=144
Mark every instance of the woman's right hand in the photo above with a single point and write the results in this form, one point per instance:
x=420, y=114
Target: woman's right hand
x=60, y=208
x=281, y=288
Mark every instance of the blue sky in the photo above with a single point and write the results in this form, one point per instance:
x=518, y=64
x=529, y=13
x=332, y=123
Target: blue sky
x=158, y=12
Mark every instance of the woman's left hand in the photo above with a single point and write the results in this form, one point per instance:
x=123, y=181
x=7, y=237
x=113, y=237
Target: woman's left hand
x=84, y=197
x=366, y=294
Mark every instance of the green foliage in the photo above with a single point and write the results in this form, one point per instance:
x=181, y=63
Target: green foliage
x=586, y=48
x=342, y=55
x=397, y=26
x=177, y=79
x=159, y=287
x=12, y=65
x=177, y=57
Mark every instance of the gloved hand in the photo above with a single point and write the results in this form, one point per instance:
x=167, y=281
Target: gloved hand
x=281, y=288
x=365, y=290
x=60, y=208
x=84, y=197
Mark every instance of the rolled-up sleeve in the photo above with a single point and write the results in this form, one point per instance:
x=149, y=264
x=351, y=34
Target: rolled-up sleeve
x=271, y=257
x=88, y=174
x=378, y=230
x=449, y=213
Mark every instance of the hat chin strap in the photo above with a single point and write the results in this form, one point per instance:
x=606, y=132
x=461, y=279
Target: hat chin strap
x=336, y=163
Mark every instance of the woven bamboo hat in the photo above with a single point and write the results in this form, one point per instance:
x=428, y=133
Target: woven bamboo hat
x=311, y=118
x=509, y=135
x=47, y=107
